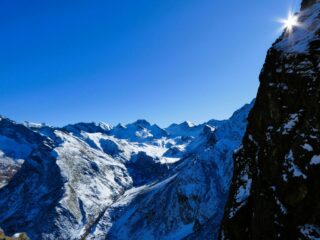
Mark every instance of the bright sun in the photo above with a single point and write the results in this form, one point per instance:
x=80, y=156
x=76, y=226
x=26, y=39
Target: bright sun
x=290, y=22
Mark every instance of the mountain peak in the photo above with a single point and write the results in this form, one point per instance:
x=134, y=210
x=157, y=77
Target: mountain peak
x=142, y=122
x=91, y=127
x=121, y=126
x=188, y=124
x=104, y=125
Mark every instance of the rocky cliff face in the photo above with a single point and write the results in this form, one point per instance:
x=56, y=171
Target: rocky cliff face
x=275, y=188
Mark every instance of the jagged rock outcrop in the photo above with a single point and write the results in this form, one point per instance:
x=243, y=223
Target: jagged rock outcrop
x=275, y=189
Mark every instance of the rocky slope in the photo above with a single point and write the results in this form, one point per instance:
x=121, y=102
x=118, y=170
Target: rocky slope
x=135, y=181
x=16, y=236
x=275, y=188
x=16, y=144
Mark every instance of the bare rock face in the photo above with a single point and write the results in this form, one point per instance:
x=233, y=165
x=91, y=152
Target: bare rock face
x=275, y=189
x=308, y=3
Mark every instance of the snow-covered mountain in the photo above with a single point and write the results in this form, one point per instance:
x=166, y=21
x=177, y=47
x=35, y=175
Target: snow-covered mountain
x=134, y=181
x=275, y=188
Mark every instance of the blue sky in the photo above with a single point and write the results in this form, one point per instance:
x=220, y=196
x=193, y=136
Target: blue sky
x=117, y=61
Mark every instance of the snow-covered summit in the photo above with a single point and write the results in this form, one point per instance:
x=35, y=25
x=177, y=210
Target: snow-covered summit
x=140, y=130
x=88, y=127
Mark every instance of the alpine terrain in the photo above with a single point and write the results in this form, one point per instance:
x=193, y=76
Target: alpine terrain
x=134, y=181
x=253, y=176
x=275, y=189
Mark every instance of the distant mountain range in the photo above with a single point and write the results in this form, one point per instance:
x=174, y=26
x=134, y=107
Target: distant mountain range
x=134, y=181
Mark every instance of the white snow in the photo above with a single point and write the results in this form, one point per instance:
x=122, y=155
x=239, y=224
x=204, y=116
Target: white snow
x=8, y=168
x=307, y=147
x=96, y=187
x=243, y=193
x=292, y=167
x=244, y=190
x=281, y=206
x=292, y=122
x=169, y=160
x=315, y=160
x=153, y=148
x=33, y=125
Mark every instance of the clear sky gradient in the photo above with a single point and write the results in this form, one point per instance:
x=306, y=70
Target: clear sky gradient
x=117, y=61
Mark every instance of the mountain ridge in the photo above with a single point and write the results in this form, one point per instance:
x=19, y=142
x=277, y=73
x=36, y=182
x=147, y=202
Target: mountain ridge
x=85, y=177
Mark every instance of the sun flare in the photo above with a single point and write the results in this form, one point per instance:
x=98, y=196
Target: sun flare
x=291, y=22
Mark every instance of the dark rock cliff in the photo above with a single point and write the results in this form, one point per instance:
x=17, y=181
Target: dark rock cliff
x=275, y=189
x=308, y=3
